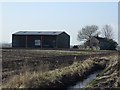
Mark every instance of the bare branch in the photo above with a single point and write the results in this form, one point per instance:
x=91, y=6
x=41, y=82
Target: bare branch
x=107, y=32
x=87, y=32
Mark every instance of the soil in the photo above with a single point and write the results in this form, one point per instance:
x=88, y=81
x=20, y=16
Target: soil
x=16, y=61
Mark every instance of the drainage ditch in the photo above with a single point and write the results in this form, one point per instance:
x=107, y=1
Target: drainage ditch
x=83, y=83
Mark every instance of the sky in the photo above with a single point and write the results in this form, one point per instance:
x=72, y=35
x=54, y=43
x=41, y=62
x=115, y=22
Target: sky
x=119, y=23
x=56, y=16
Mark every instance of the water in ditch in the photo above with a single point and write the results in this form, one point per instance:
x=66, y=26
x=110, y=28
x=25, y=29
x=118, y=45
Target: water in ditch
x=84, y=82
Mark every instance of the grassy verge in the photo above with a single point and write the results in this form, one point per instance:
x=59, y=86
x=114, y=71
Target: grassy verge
x=109, y=77
x=56, y=78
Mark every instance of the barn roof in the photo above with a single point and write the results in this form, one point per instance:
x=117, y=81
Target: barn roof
x=38, y=33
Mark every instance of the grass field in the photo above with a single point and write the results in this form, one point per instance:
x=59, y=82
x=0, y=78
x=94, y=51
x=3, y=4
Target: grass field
x=45, y=68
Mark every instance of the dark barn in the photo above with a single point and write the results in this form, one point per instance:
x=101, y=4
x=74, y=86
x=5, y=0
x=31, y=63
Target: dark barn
x=33, y=39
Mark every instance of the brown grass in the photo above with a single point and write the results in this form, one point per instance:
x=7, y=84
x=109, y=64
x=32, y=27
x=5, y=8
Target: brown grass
x=38, y=79
x=109, y=77
x=44, y=68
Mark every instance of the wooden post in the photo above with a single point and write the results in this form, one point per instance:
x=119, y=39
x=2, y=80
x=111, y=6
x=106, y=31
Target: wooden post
x=41, y=42
x=56, y=38
x=26, y=41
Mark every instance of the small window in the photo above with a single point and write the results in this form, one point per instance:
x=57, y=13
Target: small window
x=37, y=42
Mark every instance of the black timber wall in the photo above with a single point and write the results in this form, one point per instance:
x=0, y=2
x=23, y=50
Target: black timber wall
x=21, y=41
x=18, y=41
x=47, y=41
x=31, y=40
x=63, y=40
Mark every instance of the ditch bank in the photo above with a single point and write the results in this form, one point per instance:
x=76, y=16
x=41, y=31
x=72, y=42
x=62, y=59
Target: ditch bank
x=109, y=77
x=83, y=83
x=58, y=78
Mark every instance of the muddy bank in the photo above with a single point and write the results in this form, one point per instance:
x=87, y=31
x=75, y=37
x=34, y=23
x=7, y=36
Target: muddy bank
x=63, y=68
x=68, y=79
x=109, y=77
x=17, y=61
x=83, y=83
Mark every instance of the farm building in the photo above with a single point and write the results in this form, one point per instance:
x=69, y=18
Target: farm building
x=40, y=39
x=106, y=44
x=102, y=43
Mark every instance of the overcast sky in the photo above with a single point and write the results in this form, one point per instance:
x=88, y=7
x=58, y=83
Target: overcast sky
x=57, y=16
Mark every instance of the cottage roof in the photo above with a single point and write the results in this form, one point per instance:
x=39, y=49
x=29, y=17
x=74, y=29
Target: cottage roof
x=38, y=33
x=99, y=38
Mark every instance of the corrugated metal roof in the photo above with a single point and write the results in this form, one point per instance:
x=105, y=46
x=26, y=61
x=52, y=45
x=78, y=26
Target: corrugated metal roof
x=38, y=33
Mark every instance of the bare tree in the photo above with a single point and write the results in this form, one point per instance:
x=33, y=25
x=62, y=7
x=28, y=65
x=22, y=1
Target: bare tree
x=87, y=32
x=107, y=31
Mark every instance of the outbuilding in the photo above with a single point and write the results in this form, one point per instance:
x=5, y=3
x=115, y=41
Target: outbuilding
x=101, y=43
x=40, y=39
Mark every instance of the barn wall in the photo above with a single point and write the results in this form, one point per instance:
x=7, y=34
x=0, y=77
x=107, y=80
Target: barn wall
x=31, y=40
x=63, y=40
x=104, y=45
x=49, y=41
x=18, y=40
x=46, y=41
